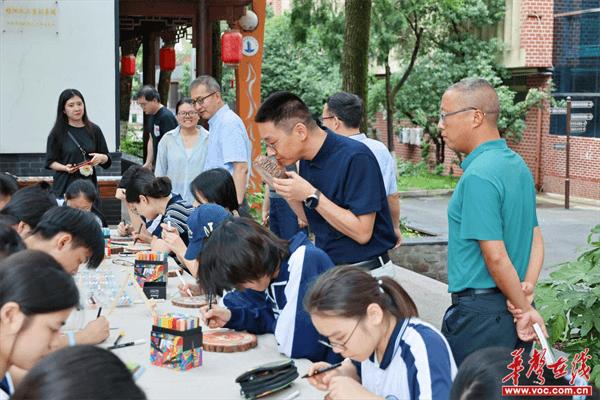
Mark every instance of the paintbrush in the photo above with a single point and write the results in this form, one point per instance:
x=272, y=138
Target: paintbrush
x=138, y=234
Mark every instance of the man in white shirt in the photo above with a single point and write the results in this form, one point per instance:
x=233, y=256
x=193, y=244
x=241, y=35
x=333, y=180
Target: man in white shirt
x=342, y=114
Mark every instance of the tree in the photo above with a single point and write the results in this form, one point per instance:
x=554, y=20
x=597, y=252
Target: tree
x=303, y=68
x=355, y=59
x=451, y=50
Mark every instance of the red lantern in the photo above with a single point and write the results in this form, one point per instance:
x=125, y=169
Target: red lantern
x=167, y=59
x=231, y=47
x=128, y=65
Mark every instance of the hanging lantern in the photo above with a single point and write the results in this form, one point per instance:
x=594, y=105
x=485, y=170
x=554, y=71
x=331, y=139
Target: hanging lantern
x=128, y=65
x=167, y=59
x=231, y=47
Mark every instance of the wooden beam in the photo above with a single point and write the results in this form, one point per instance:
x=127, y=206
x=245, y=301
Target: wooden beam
x=145, y=8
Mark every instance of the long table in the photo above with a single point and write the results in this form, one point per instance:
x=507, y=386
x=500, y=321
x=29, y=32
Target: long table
x=215, y=379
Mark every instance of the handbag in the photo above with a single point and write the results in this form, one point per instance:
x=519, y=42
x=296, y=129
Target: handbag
x=267, y=378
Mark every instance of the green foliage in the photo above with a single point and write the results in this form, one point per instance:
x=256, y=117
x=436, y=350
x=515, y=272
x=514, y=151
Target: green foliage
x=416, y=176
x=569, y=302
x=132, y=143
x=255, y=201
x=305, y=69
x=452, y=50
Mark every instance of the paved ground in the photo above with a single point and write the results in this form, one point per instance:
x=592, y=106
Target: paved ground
x=564, y=231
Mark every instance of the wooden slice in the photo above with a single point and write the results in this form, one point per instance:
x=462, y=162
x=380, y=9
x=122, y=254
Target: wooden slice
x=173, y=274
x=137, y=248
x=228, y=341
x=190, y=302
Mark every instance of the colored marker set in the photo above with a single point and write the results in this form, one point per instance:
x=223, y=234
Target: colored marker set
x=176, y=342
x=177, y=322
x=150, y=270
x=155, y=256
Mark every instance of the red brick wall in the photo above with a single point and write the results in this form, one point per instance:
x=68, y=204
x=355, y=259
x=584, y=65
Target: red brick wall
x=537, y=25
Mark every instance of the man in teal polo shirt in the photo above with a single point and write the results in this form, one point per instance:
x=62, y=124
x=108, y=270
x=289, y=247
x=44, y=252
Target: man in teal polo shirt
x=495, y=247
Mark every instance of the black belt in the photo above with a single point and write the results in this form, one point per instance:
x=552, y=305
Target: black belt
x=472, y=292
x=372, y=263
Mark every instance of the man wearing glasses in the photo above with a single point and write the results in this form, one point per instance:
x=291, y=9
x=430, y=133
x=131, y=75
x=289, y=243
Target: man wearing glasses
x=342, y=114
x=339, y=185
x=495, y=247
x=228, y=143
x=162, y=121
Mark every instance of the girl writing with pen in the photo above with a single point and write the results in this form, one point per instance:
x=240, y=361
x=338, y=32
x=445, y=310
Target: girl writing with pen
x=390, y=353
x=36, y=298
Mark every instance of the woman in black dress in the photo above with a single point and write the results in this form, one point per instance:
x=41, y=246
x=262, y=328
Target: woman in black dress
x=73, y=140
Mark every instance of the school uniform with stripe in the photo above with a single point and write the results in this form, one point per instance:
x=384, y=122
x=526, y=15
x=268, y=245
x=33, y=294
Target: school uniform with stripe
x=417, y=364
x=6, y=387
x=178, y=211
x=280, y=309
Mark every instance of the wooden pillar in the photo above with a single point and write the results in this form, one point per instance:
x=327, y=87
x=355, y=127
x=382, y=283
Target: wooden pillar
x=203, y=40
x=149, y=77
x=248, y=77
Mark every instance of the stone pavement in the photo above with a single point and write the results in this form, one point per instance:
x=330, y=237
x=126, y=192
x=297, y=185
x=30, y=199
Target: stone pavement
x=564, y=231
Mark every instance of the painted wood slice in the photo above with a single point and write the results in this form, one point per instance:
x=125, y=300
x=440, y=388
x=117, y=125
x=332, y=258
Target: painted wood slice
x=190, y=302
x=172, y=273
x=228, y=341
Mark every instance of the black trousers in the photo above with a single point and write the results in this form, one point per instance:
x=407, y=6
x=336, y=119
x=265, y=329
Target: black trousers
x=480, y=321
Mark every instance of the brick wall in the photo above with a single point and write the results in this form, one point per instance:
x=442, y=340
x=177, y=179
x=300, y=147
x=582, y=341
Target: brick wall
x=537, y=25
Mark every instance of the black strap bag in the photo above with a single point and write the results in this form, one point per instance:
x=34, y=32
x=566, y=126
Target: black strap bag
x=267, y=378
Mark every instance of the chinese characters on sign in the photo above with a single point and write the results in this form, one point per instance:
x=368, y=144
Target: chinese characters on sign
x=21, y=16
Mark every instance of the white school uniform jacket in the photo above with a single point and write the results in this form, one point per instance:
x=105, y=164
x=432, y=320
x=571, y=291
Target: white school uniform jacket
x=6, y=387
x=417, y=364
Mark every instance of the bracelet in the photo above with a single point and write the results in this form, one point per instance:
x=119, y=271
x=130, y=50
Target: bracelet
x=71, y=338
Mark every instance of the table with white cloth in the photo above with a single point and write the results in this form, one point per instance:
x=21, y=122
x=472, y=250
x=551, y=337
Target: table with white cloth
x=215, y=378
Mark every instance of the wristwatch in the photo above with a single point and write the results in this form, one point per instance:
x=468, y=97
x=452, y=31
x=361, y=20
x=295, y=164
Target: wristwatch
x=312, y=201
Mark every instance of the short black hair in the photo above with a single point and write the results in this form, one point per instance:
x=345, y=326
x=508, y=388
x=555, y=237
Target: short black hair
x=126, y=177
x=37, y=283
x=185, y=100
x=216, y=186
x=144, y=183
x=149, y=93
x=81, y=187
x=239, y=250
x=284, y=107
x=79, y=372
x=8, y=184
x=81, y=225
x=29, y=204
x=10, y=241
x=347, y=107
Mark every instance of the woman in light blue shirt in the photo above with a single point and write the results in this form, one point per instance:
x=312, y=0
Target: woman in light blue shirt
x=182, y=151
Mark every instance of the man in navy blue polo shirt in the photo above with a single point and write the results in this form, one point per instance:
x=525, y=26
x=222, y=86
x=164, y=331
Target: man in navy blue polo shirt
x=339, y=187
x=495, y=247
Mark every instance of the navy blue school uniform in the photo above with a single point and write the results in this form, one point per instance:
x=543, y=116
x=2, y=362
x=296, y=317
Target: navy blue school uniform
x=6, y=387
x=347, y=173
x=417, y=364
x=280, y=309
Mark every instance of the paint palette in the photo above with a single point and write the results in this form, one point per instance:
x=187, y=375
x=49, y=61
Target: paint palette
x=228, y=341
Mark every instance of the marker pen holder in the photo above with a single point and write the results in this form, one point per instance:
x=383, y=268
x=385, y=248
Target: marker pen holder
x=150, y=270
x=179, y=350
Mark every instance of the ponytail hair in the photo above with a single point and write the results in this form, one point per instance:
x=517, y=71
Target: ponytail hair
x=347, y=292
x=37, y=283
x=144, y=183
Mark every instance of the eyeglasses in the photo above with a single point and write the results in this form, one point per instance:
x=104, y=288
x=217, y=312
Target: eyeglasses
x=341, y=346
x=188, y=114
x=444, y=115
x=200, y=100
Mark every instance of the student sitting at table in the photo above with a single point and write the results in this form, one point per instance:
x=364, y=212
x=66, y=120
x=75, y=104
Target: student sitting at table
x=27, y=206
x=72, y=237
x=36, y=298
x=216, y=186
x=151, y=196
x=79, y=372
x=201, y=222
x=373, y=322
x=271, y=276
x=82, y=194
x=10, y=241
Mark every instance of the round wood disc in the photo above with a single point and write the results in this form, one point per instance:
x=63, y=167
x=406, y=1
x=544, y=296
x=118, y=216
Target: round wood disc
x=190, y=302
x=228, y=342
x=173, y=274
